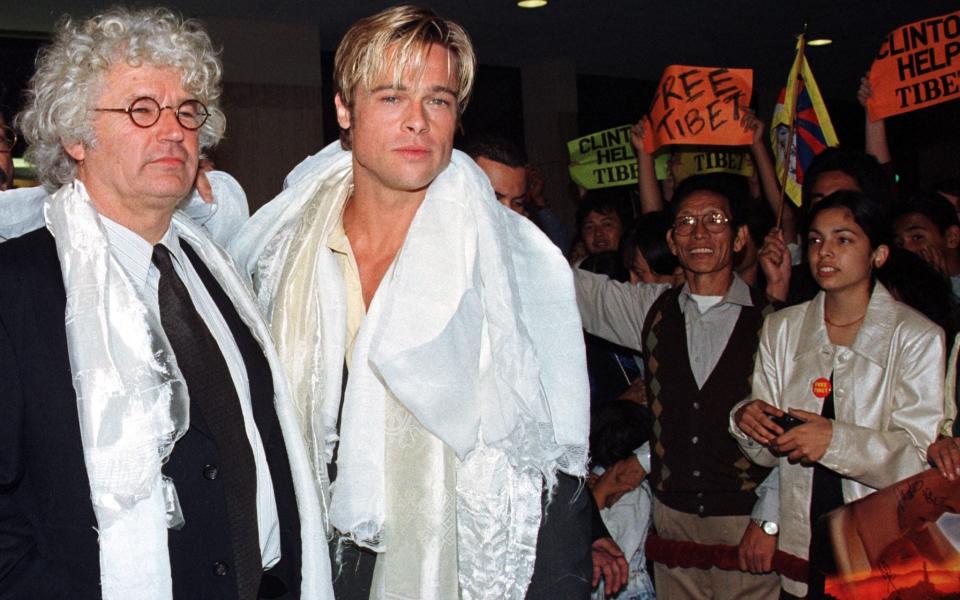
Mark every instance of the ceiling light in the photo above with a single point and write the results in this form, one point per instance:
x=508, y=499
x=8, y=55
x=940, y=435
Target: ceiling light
x=820, y=42
x=531, y=3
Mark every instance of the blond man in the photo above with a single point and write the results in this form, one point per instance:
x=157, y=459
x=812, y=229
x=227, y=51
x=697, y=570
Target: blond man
x=431, y=337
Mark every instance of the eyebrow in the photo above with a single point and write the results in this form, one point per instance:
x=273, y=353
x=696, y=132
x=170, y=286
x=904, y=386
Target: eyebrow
x=442, y=89
x=131, y=98
x=836, y=230
x=709, y=211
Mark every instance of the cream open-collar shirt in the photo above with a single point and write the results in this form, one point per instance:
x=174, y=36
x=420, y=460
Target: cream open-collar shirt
x=356, y=309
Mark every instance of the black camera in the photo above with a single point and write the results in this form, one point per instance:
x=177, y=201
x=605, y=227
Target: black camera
x=787, y=422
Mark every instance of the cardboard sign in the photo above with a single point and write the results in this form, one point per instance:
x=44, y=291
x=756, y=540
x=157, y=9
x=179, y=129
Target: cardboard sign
x=900, y=542
x=918, y=65
x=713, y=161
x=606, y=159
x=603, y=159
x=661, y=165
x=699, y=105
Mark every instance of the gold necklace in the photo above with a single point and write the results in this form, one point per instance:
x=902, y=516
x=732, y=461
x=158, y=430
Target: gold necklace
x=829, y=322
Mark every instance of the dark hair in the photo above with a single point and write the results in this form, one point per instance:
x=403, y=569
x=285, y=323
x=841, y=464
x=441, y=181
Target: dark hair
x=949, y=186
x=914, y=282
x=496, y=148
x=649, y=236
x=612, y=200
x=868, y=213
x=931, y=205
x=758, y=218
x=734, y=188
x=608, y=263
x=617, y=428
x=863, y=168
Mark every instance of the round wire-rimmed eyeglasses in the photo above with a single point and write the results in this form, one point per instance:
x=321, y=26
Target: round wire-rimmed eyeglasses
x=714, y=222
x=145, y=112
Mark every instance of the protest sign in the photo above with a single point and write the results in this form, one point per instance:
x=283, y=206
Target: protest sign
x=661, y=165
x=699, y=105
x=603, y=159
x=918, y=65
x=900, y=542
x=606, y=159
x=712, y=161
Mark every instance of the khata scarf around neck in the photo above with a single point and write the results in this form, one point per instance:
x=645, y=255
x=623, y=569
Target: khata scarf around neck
x=133, y=405
x=490, y=361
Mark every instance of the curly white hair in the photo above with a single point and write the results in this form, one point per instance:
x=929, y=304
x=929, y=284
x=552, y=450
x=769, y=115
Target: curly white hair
x=71, y=69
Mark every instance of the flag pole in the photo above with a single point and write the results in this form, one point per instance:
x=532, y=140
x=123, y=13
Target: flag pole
x=788, y=151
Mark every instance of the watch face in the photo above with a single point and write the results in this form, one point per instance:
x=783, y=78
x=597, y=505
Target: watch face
x=770, y=528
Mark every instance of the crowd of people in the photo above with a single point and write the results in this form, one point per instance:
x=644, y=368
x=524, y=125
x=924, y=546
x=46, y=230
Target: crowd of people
x=821, y=345
x=407, y=377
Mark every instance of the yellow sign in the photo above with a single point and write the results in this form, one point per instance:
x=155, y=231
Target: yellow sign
x=712, y=161
x=603, y=159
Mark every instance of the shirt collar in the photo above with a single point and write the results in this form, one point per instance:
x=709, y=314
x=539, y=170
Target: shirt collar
x=134, y=253
x=337, y=239
x=738, y=293
x=873, y=339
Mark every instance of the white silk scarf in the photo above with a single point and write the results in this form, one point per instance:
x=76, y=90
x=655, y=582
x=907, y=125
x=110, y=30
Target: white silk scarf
x=133, y=406
x=474, y=330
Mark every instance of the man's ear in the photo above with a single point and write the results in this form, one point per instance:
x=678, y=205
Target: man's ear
x=952, y=235
x=343, y=112
x=741, y=240
x=670, y=243
x=76, y=150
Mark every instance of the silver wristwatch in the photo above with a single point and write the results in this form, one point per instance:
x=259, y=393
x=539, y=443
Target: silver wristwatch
x=768, y=527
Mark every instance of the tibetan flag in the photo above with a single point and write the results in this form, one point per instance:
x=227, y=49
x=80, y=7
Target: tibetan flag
x=813, y=132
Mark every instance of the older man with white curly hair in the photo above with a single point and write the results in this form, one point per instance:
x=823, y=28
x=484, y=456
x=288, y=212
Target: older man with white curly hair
x=148, y=445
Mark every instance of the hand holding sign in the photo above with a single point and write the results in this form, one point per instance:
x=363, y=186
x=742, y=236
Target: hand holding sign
x=637, y=133
x=864, y=92
x=699, y=105
x=751, y=123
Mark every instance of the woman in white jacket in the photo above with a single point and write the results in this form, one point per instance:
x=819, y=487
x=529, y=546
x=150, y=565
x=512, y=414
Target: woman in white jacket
x=861, y=372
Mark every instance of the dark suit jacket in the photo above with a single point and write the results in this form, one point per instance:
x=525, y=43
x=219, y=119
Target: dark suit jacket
x=48, y=545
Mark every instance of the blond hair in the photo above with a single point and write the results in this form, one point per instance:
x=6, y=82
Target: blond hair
x=362, y=55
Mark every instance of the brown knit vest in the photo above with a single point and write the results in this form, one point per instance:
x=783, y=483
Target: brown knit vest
x=696, y=464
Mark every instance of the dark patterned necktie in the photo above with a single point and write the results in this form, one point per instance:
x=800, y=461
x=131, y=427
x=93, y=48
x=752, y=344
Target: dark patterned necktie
x=210, y=386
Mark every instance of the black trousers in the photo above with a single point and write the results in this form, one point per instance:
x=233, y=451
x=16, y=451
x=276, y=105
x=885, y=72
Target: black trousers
x=563, y=566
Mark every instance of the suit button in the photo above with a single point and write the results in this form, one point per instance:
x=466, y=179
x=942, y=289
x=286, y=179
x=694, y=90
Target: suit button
x=219, y=569
x=210, y=472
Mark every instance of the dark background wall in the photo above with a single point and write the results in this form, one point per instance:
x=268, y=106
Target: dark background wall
x=545, y=77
